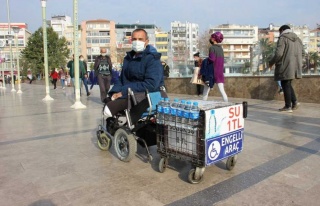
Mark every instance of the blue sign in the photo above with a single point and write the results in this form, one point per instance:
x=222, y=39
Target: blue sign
x=223, y=146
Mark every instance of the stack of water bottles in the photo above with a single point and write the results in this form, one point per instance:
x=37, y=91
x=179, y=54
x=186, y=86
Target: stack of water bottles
x=182, y=119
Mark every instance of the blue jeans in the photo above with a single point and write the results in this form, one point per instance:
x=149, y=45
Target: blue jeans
x=62, y=82
x=85, y=83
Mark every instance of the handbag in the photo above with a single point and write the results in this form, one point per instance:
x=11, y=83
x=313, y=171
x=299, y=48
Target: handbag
x=195, y=79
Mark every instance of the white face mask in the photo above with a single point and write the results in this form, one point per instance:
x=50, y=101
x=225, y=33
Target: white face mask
x=138, y=46
x=104, y=54
x=81, y=59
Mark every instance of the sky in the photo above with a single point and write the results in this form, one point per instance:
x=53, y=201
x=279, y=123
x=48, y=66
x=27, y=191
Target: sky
x=206, y=13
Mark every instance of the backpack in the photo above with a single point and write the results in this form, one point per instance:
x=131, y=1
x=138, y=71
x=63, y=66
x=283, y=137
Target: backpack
x=103, y=67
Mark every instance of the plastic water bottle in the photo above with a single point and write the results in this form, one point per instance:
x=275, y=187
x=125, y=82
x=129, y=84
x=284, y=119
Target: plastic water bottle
x=186, y=115
x=173, y=133
x=160, y=115
x=194, y=114
x=166, y=111
x=173, y=110
x=180, y=113
x=194, y=121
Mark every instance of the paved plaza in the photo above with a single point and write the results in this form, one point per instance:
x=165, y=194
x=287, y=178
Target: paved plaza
x=49, y=156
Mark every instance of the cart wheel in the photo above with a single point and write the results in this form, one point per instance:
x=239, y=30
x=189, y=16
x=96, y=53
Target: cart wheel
x=231, y=162
x=125, y=145
x=192, y=179
x=163, y=164
x=104, y=142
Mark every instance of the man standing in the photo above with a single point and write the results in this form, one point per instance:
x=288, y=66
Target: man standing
x=288, y=65
x=103, y=72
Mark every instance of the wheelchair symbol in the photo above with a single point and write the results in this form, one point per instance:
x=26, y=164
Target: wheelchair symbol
x=214, y=150
x=213, y=153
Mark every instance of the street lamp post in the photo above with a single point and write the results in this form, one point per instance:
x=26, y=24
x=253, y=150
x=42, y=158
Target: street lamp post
x=45, y=48
x=10, y=37
x=16, y=31
x=3, y=86
x=77, y=104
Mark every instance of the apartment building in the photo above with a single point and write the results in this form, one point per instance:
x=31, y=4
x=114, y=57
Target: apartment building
x=60, y=24
x=184, y=41
x=22, y=35
x=96, y=34
x=314, y=44
x=162, y=44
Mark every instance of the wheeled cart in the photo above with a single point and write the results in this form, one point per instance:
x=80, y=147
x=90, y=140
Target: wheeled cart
x=218, y=135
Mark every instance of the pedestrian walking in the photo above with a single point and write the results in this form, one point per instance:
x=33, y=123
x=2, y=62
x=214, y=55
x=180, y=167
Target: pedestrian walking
x=216, y=56
x=103, y=71
x=85, y=75
x=29, y=76
x=54, y=75
x=70, y=65
x=288, y=65
x=62, y=77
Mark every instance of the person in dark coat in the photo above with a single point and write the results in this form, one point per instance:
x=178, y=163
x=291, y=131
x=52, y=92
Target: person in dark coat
x=288, y=65
x=141, y=71
x=103, y=71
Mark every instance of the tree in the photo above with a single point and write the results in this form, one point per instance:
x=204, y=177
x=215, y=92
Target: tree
x=267, y=49
x=204, y=43
x=314, y=61
x=33, y=58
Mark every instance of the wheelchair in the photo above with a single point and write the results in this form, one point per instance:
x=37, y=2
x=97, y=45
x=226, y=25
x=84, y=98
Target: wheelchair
x=136, y=124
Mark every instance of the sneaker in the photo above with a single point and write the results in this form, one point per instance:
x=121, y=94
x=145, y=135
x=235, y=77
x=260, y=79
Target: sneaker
x=295, y=106
x=280, y=91
x=63, y=87
x=88, y=93
x=285, y=109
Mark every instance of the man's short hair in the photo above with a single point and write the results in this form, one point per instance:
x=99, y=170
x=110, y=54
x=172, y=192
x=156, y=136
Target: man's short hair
x=145, y=32
x=284, y=27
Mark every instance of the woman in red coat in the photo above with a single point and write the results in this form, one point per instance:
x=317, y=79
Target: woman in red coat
x=54, y=75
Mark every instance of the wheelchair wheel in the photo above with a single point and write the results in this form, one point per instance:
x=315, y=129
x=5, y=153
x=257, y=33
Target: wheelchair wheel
x=163, y=164
x=104, y=142
x=125, y=145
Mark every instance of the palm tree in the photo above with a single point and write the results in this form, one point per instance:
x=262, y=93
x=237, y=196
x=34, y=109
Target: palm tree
x=266, y=51
x=314, y=60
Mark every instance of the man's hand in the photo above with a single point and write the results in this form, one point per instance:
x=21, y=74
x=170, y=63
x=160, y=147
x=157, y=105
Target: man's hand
x=116, y=96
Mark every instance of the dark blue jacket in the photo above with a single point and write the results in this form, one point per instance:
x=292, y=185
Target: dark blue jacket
x=93, y=78
x=139, y=73
x=207, y=72
x=115, y=76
